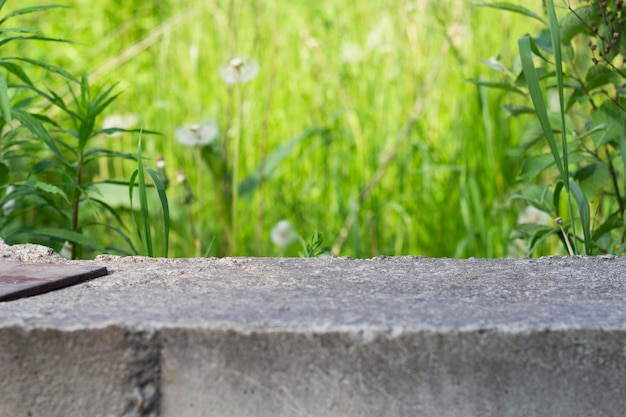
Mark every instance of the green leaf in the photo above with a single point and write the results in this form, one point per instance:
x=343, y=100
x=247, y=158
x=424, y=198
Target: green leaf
x=532, y=135
x=31, y=38
x=156, y=179
x=18, y=30
x=584, y=212
x=16, y=70
x=511, y=8
x=600, y=75
x=515, y=110
x=500, y=86
x=69, y=235
x=535, y=165
x=4, y=174
x=611, y=119
x=578, y=21
x=27, y=10
x=43, y=186
x=558, y=64
x=37, y=129
x=44, y=65
x=5, y=107
x=538, y=101
x=612, y=222
x=592, y=178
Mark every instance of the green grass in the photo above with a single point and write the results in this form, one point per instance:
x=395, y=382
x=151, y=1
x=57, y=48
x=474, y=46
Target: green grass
x=442, y=192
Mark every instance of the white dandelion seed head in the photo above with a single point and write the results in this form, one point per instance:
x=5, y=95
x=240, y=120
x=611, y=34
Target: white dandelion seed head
x=239, y=70
x=351, y=52
x=380, y=36
x=197, y=134
x=160, y=162
x=283, y=233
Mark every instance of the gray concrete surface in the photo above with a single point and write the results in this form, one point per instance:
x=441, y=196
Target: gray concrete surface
x=320, y=337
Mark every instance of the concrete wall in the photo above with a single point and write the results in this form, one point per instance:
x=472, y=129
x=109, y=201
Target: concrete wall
x=319, y=337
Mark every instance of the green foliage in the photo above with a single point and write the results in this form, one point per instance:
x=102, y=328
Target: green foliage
x=358, y=124
x=314, y=247
x=49, y=185
x=576, y=60
x=143, y=224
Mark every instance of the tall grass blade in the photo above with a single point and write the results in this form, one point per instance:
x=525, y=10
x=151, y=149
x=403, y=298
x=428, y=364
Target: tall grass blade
x=532, y=81
x=585, y=215
x=143, y=201
x=160, y=187
x=558, y=66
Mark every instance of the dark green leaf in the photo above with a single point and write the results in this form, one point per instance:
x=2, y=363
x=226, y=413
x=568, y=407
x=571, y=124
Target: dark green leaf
x=5, y=107
x=16, y=70
x=27, y=10
x=70, y=236
x=584, y=212
x=4, y=174
x=36, y=128
x=44, y=65
x=600, y=75
x=31, y=38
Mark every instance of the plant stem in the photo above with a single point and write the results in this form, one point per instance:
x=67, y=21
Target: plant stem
x=76, y=201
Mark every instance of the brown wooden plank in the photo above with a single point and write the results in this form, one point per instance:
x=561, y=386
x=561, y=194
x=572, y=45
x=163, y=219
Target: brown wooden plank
x=21, y=279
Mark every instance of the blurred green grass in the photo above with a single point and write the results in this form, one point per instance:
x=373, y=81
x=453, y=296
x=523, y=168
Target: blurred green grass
x=351, y=67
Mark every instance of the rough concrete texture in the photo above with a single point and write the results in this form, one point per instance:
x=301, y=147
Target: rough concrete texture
x=320, y=337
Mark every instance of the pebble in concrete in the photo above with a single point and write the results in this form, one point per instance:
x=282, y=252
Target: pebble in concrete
x=402, y=336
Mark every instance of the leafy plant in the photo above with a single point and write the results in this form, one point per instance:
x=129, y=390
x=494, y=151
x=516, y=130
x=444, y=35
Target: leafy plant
x=574, y=146
x=314, y=247
x=49, y=186
x=143, y=224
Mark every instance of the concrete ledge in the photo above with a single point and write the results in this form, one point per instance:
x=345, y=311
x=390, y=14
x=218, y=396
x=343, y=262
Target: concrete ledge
x=320, y=337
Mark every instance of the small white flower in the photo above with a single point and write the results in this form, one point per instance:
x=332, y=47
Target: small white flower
x=351, y=52
x=283, y=234
x=180, y=176
x=239, y=70
x=198, y=134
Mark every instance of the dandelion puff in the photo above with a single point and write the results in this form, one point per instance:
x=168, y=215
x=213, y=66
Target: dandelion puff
x=351, y=52
x=283, y=234
x=239, y=70
x=197, y=134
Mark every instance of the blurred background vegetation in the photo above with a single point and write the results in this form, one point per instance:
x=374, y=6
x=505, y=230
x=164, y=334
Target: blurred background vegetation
x=375, y=137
